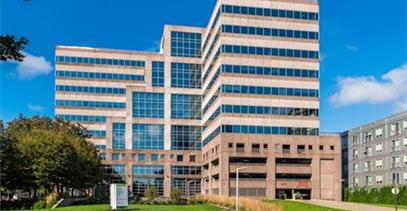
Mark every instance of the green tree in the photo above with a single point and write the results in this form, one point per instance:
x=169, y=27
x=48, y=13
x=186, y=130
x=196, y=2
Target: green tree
x=11, y=47
x=150, y=194
x=176, y=195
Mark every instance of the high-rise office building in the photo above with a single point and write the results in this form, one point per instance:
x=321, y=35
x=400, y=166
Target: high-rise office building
x=376, y=153
x=242, y=92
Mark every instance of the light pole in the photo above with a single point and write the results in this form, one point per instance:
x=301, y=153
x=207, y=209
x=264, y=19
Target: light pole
x=187, y=187
x=237, y=187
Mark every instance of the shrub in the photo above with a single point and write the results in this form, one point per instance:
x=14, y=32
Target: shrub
x=150, y=194
x=245, y=203
x=176, y=195
x=39, y=204
x=375, y=195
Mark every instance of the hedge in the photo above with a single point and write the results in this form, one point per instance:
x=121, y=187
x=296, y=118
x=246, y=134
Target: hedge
x=375, y=195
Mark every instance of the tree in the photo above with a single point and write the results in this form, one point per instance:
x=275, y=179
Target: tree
x=11, y=48
x=176, y=195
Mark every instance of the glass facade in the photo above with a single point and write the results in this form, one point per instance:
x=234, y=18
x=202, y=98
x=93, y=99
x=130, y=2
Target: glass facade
x=140, y=185
x=264, y=51
x=119, y=136
x=186, y=170
x=90, y=89
x=82, y=118
x=148, y=136
x=148, y=105
x=148, y=170
x=157, y=74
x=185, y=44
x=115, y=173
x=89, y=104
x=251, y=30
x=188, y=187
x=276, y=91
x=185, y=75
x=272, y=71
x=97, y=133
x=103, y=76
x=185, y=106
x=99, y=61
x=185, y=137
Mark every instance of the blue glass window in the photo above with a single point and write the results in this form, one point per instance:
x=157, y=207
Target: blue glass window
x=186, y=170
x=185, y=137
x=104, y=76
x=97, y=133
x=147, y=136
x=185, y=44
x=89, y=104
x=157, y=74
x=263, y=51
x=82, y=118
x=185, y=75
x=148, y=105
x=185, y=106
x=99, y=61
x=119, y=136
x=88, y=89
x=148, y=169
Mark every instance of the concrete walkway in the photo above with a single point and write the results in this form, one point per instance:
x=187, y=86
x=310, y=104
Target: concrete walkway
x=349, y=206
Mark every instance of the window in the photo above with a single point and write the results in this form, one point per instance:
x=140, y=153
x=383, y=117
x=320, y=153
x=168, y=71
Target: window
x=192, y=158
x=395, y=178
x=115, y=156
x=148, y=105
x=369, y=151
x=102, y=156
x=263, y=51
x=394, y=129
x=252, y=129
x=239, y=147
x=379, y=179
x=148, y=136
x=88, y=89
x=119, y=136
x=368, y=136
x=185, y=44
x=405, y=141
x=180, y=158
x=82, y=118
x=286, y=148
x=274, y=91
x=379, y=132
x=154, y=157
x=89, y=104
x=355, y=140
x=309, y=147
x=230, y=145
x=368, y=165
x=395, y=161
x=157, y=74
x=379, y=163
x=405, y=177
x=321, y=147
x=332, y=147
x=185, y=106
x=355, y=154
x=255, y=147
x=369, y=180
x=301, y=149
x=395, y=145
x=103, y=76
x=265, y=146
x=141, y=157
x=99, y=61
x=355, y=168
x=185, y=75
x=186, y=170
x=405, y=159
x=185, y=137
x=405, y=124
x=379, y=147
x=355, y=181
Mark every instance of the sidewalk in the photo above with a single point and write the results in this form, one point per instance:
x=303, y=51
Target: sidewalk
x=349, y=206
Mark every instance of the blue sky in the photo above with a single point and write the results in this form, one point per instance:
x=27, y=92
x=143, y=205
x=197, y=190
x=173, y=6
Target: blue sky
x=363, y=48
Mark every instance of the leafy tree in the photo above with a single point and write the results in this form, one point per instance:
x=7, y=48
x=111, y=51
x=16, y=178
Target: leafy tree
x=11, y=47
x=176, y=195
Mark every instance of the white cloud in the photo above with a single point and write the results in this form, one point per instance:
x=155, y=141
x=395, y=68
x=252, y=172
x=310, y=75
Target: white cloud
x=33, y=66
x=391, y=88
x=352, y=48
x=401, y=105
x=36, y=108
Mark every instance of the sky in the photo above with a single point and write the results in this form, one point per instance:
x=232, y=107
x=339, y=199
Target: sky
x=363, y=49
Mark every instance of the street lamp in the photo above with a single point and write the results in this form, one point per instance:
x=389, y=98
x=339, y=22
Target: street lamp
x=237, y=187
x=187, y=188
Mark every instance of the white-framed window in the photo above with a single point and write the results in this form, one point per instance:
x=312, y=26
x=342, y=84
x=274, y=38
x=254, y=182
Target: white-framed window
x=355, y=168
x=368, y=136
x=405, y=159
x=379, y=147
x=379, y=132
x=368, y=165
x=379, y=179
x=405, y=141
x=369, y=180
x=379, y=163
x=395, y=144
x=355, y=154
x=356, y=181
x=405, y=177
x=394, y=129
x=395, y=161
x=369, y=151
x=354, y=140
x=405, y=124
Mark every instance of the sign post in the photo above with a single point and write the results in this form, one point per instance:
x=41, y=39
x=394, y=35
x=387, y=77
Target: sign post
x=118, y=196
x=395, y=191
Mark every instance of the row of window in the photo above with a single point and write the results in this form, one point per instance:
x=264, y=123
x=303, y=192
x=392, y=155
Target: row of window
x=97, y=134
x=267, y=12
x=274, y=71
x=185, y=106
x=186, y=44
x=184, y=75
x=270, y=32
x=108, y=76
x=141, y=184
x=251, y=129
x=99, y=61
x=264, y=51
x=185, y=137
x=148, y=104
x=148, y=169
x=89, y=89
x=186, y=170
x=119, y=136
x=89, y=104
x=277, y=91
x=242, y=109
x=82, y=118
x=157, y=73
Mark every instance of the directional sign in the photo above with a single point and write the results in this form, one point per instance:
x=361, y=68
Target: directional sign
x=395, y=191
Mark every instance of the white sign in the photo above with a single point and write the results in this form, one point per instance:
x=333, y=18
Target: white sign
x=118, y=196
x=395, y=191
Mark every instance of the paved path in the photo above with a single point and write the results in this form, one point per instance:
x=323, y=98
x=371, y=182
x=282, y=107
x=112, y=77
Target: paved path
x=349, y=206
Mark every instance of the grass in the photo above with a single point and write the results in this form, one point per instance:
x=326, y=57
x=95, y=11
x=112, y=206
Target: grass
x=386, y=205
x=137, y=207
x=288, y=205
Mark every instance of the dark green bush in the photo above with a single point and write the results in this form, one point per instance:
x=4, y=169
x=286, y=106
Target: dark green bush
x=39, y=204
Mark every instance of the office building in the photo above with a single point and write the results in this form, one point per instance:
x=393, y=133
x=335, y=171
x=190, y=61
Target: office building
x=241, y=92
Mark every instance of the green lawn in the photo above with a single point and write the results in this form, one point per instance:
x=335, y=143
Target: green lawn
x=200, y=207
x=288, y=205
x=388, y=205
